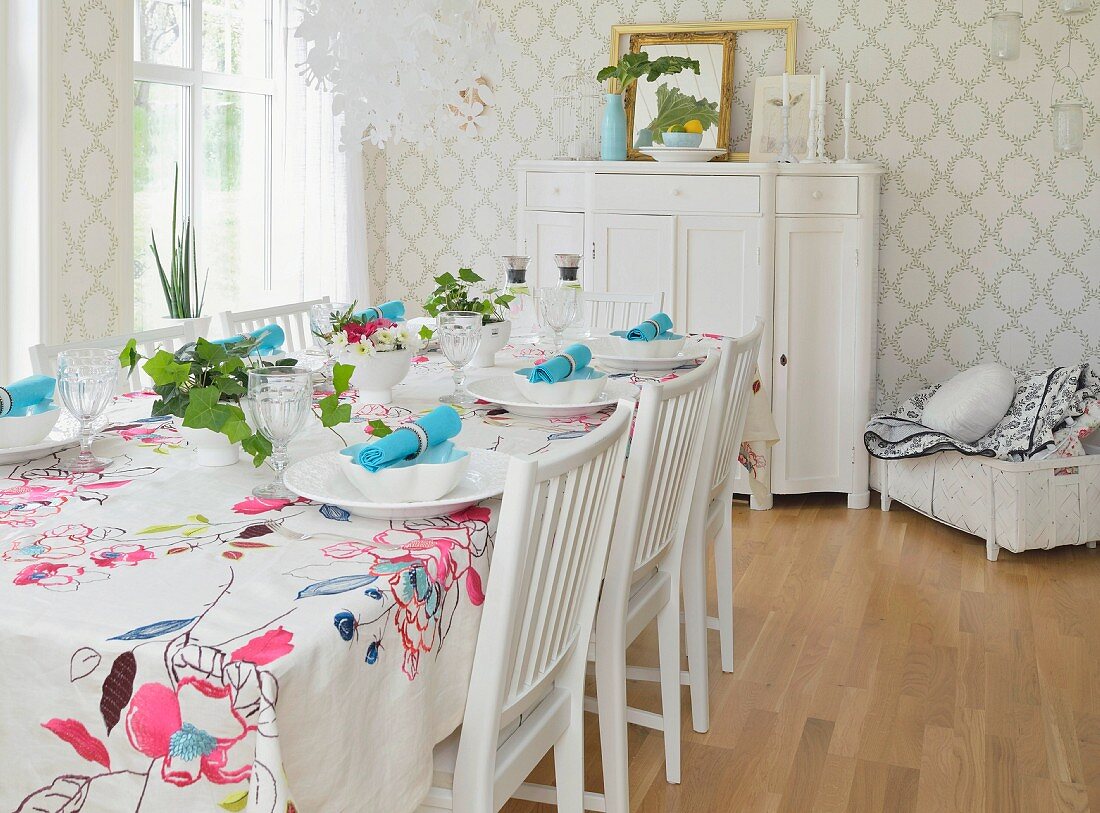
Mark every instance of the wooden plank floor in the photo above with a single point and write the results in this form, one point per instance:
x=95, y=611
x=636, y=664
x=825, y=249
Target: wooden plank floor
x=884, y=665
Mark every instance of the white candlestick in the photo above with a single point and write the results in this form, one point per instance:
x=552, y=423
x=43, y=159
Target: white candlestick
x=786, y=89
x=847, y=159
x=822, y=97
x=847, y=101
x=811, y=132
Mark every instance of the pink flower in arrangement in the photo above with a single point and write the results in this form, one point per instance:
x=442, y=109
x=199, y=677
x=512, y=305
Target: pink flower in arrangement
x=254, y=505
x=356, y=332
x=47, y=574
x=195, y=729
x=122, y=554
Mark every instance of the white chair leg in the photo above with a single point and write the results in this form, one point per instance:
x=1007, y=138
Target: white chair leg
x=611, y=697
x=569, y=758
x=668, y=642
x=723, y=572
x=695, y=628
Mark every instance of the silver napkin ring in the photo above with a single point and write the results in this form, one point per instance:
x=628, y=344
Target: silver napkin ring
x=377, y=314
x=421, y=438
x=6, y=401
x=572, y=363
x=656, y=326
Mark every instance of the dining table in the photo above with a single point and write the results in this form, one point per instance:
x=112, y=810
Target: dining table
x=171, y=643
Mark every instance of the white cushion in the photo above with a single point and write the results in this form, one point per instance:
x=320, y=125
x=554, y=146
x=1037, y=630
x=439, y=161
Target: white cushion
x=967, y=406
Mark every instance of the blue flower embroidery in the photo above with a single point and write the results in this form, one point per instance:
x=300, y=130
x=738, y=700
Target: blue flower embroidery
x=345, y=624
x=191, y=743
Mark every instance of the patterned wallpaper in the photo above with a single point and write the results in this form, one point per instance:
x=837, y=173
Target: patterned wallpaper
x=90, y=271
x=990, y=243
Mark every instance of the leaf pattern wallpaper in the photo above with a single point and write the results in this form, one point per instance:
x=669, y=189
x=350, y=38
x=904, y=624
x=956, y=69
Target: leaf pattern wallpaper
x=990, y=242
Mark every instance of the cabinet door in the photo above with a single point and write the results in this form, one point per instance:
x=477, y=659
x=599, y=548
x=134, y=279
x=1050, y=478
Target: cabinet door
x=814, y=354
x=545, y=234
x=632, y=254
x=717, y=274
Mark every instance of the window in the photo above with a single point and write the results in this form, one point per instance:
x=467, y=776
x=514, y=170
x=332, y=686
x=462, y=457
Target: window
x=205, y=97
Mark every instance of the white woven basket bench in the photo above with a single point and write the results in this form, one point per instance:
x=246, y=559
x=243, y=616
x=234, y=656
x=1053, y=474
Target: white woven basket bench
x=1016, y=506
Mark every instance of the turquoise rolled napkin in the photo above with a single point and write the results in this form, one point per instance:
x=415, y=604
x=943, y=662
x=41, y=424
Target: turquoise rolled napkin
x=439, y=425
x=271, y=339
x=573, y=358
x=650, y=329
x=393, y=310
x=24, y=396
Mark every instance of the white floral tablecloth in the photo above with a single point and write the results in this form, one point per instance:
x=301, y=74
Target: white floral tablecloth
x=168, y=646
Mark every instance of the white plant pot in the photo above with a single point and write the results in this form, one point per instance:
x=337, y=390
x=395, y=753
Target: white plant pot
x=493, y=339
x=376, y=375
x=212, y=448
x=199, y=325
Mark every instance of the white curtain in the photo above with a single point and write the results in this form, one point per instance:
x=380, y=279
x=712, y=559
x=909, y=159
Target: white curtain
x=318, y=207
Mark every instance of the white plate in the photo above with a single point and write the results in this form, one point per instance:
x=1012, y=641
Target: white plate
x=321, y=478
x=625, y=364
x=65, y=432
x=502, y=390
x=681, y=154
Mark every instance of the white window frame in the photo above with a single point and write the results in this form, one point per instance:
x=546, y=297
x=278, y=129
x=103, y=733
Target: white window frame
x=195, y=80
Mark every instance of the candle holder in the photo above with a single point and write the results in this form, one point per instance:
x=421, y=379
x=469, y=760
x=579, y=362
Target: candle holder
x=811, y=131
x=847, y=159
x=785, y=155
x=822, y=158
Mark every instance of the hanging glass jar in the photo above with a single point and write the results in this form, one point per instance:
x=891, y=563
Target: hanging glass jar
x=1006, y=35
x=1068, y=113
x=1074, y=6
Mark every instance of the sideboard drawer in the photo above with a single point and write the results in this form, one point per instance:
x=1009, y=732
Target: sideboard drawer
x=556, y=191
x=816, y=196
x=679, y=194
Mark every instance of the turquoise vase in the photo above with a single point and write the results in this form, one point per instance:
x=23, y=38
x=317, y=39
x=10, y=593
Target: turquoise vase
x=613, y=132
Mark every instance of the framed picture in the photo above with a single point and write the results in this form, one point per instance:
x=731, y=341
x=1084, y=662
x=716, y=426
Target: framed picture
x=767, y=116
x=714, y=44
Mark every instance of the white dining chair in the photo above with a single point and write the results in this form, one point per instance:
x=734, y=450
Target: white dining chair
x=293, y=318
x=619, y=311
x=44, y=356
x=643, y=571
x=527, y=684
x=711, y=519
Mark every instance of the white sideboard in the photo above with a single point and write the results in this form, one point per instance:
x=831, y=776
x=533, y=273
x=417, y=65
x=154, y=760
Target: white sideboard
x=726, y=242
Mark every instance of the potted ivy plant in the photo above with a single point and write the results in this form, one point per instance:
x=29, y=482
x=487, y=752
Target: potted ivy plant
x=629, y=69
x=457, y=293
x=203, y=384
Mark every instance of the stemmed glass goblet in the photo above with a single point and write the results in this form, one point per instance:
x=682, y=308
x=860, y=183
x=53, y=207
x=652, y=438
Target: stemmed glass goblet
x=280, y=400
x=558, y=308
x=459, y=335
x=86, y=381
x=321, y=321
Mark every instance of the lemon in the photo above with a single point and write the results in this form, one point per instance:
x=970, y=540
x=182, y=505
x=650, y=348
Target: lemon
x=676, y=128
x=693, y=126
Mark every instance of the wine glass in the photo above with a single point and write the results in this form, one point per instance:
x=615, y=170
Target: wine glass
x=558, y=307
x=86, y=381
x=280, y=401
x=459, y=335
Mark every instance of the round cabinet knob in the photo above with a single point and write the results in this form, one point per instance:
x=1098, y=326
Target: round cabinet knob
x=676, y=193
x=816, y=194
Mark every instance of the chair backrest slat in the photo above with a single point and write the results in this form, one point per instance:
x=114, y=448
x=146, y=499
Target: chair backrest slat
x=44, y=357
x=661, y=475
x=293, y=318
x=732, y=395
x=619, y=311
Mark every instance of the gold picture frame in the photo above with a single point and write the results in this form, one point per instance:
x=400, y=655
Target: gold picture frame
x=621, y=36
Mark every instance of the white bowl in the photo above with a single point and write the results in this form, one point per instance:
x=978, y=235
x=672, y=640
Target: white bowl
x=663, y=347
x=27, y=430
x=573, y=390
x=376, y=375
x=428, y=477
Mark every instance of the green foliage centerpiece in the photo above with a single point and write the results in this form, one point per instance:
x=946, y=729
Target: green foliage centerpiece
x=457, y=294
x=203, y=383
x=632, y=67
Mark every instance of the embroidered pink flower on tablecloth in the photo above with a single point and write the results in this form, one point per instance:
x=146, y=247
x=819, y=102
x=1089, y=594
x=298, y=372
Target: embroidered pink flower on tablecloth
x=194, y=729
x=121, y=554
x=254, y=505
x=48, y=574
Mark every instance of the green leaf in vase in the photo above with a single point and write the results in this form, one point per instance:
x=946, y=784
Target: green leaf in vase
x=333, y=412
x=674, y=107
x=341, y=378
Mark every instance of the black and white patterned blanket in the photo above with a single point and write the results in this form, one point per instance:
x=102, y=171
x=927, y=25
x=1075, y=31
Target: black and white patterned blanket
x=1044, y=402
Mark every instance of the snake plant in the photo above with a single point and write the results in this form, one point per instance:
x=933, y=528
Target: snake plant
x=180, y=281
